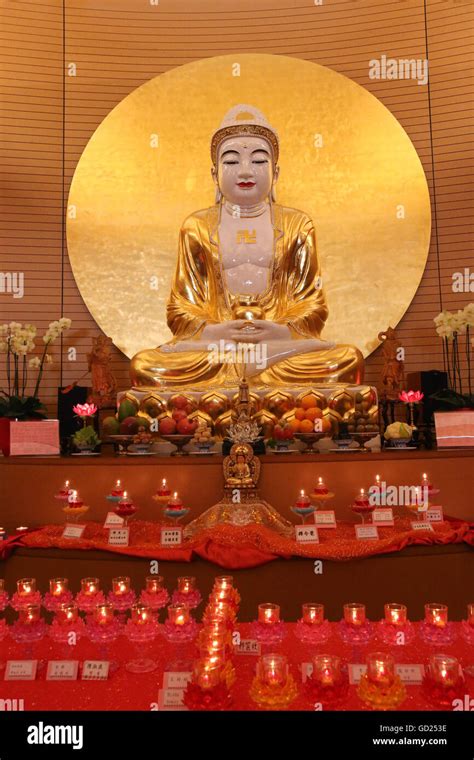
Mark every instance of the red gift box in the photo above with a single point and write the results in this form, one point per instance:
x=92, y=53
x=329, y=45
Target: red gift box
x=29, y=438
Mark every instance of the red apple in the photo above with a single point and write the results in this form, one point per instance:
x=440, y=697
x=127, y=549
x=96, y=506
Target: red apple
x=167, y=426
x=179, y=414
x=288, y=432
x=180, y=402
x=279, y=433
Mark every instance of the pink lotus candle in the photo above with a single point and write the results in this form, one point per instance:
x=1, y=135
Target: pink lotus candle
x=90, y=586
x=268, y=613
x=178, y=614
x=313, y=614
x=30, y=614
x=395, y=614
x=444, y=670
x=141, y=614
x=121, y=585
x=321, y=489
x=206, y=673
x=326, y=669
x=186, y=584
x=354, y=613
x=273, y=669
x=436, y=615
x=117, y=490
x=303, y=500
x=26, y=587
x=380, y=669
x=67, y=614
x=154, y=584
x=470, y=613
x=57, y=586
x=104, y=614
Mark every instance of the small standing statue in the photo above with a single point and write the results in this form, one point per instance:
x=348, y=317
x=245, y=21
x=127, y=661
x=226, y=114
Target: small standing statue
x=393, y=371
x=103, y=382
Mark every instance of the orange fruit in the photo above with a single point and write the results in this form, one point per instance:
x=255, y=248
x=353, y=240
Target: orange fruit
x=308, y=402
x=306, y=426
x=295, y=425
x=326, y=425
x=312, y=413
x=299, y=413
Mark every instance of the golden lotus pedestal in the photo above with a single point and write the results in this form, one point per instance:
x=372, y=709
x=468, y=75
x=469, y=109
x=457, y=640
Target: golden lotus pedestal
x=355, y=404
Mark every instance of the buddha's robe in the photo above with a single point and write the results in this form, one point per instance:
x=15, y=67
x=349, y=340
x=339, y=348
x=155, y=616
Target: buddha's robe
x=199, y=296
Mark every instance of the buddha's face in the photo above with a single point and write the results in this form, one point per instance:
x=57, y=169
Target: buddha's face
x=245, y=172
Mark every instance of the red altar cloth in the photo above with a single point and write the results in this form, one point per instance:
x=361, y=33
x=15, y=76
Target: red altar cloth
x=234, y=547
x=126, y=691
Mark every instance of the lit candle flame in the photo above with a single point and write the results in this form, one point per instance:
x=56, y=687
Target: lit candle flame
x=163, y=483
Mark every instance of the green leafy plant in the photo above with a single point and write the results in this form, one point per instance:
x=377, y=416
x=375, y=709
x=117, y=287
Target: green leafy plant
x=86, y=436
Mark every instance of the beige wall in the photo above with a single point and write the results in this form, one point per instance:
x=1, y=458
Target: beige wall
x=120, y=44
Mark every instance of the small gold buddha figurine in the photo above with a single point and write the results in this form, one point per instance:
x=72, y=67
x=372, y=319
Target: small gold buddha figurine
x=237, y=471
x=247, y=273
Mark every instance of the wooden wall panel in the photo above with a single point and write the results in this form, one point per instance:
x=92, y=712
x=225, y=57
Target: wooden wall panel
x=120, y=44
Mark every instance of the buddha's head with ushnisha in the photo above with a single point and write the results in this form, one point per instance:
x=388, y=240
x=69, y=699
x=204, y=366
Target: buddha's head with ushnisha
x=244, y=152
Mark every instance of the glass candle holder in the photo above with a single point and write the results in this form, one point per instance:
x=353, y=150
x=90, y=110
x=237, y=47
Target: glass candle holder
x=223, y=582
x=470, y=613
x=186, y=584
x=67, y=614
x=26, y=586
x=444, y=670
x=57, y=586
x=326, y=670
x=268, y=613
x=221, y=595
x=104, y=614
x=206, y=673
x=218, y=609
x=90, y=586
x=141, y=614
x=436, y=615
x=212, y=642
x=272, y=669
x=313, y=614
x=178, y=614
x=121, y=585
x=381, y=669
x=395, y=614
x=354, y=614
x=30, y=614
x=154, y=584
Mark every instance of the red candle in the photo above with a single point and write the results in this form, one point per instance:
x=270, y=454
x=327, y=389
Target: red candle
x=26, y=586
x=178, y=614
x=186, y=584
x=67, y=614
x=223, y=582
x=154, y=584
x=117, y=490
x=313, y=614
x=444, y=670
x=326, y=669
x=268, y=613
x=75, y=500
x=163, y=489
x=273, y=669
x=90, y=586
x=362, y=500
x=436, y=615
x=121, y=585
x=125, y=501
x=64, y=491
x=303, y=500
x=354, y=613
x=141, y=614
x=206, y=673
x=218, y=609
x=175, y=502
x=321, y=489
x=395, y=614
x=381, y=669
x=104, y=614
x=57, y=586
x=29, y=614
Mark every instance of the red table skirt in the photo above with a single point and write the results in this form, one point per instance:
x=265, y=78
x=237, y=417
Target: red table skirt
x=126, y=691
x=234, y=547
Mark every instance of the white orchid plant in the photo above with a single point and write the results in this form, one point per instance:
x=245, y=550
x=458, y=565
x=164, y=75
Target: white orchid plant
x=457, y=331
x=17, y=343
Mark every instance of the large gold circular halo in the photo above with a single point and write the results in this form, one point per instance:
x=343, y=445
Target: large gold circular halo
x=344, y=159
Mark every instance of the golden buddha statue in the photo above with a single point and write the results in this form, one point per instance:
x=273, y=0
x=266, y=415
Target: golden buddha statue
x=247, y=276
